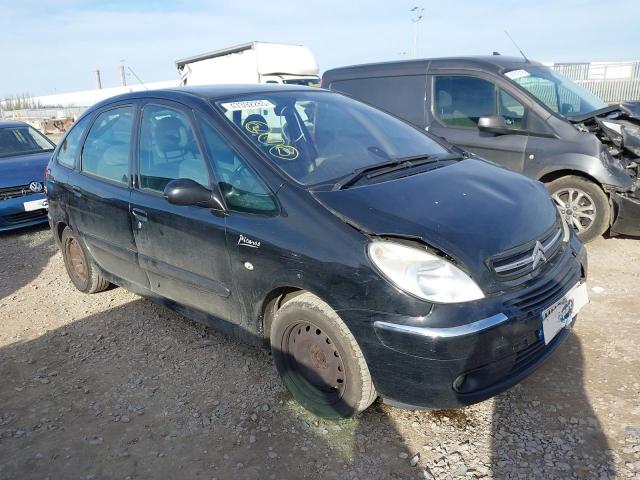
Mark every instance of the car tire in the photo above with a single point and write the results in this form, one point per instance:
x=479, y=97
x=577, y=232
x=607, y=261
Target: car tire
x=319, y=360
x=583, y=204
x=82, y=270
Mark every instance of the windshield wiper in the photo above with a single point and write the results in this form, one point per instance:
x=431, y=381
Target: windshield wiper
x=383, y=168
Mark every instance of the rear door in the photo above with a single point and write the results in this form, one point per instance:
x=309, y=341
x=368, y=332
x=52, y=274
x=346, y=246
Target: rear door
x=459, y=100
x=181, y=248
x=100, y=193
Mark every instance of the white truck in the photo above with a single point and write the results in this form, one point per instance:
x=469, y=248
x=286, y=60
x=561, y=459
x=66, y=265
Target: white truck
x=253, y=62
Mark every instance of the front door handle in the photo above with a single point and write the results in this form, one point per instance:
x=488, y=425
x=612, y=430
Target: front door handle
x=140, y=216
x=76, y=192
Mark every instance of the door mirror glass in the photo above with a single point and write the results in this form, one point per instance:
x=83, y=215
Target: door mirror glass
x=185, y=191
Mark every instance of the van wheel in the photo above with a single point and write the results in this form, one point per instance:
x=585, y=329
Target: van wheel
x=82, y=270
x=319, y=360
x=582, y=204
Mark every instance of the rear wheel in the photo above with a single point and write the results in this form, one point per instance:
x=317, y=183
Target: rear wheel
x=82, y=270
x=582, y=204
x=319, y=360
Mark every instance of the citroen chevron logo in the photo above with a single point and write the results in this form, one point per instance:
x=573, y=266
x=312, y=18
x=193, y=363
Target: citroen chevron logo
x=538, y=255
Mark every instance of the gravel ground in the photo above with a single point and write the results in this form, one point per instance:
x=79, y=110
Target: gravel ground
x=114, y=386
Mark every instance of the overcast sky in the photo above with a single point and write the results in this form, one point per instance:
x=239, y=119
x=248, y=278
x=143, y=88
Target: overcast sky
x=54, y=46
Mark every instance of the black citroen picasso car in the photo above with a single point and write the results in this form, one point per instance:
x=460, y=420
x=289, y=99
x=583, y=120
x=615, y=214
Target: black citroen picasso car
x=374, y=259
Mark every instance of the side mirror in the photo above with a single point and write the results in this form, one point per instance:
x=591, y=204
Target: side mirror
x=494, y=124
x=185, y=191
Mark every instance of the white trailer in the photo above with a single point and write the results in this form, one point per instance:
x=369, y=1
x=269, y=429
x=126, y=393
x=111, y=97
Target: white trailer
x=253, y=62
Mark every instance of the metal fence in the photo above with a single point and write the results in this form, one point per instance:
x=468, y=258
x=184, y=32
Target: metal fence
x=614, y=82
x=42, y=113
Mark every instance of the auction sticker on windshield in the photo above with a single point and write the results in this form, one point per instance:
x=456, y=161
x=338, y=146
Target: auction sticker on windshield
x=561, y=314
x=247, y=105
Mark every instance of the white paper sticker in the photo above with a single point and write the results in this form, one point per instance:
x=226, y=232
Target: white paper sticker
x=247, y=105
x=516, y=74
x=35, y=205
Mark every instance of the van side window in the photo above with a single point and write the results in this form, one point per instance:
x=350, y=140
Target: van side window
x=403, y=96
x=511, y=110
x=106, y=149
x=69, y=148
x=241, y=187
x=461, y=100
x=169, y=149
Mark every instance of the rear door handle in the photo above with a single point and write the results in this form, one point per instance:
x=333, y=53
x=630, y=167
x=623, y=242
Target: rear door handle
x=140, y=215
x=140, y=218
x=76, y=192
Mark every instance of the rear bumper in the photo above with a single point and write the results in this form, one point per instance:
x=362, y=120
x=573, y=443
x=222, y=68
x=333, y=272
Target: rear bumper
x=417, y=365
x=13, y=215
x=627, y=207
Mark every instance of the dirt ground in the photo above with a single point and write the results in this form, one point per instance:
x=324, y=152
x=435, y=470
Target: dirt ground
x=112, y=386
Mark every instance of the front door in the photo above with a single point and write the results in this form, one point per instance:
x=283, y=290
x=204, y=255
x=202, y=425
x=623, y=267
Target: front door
x=100, y=193
x=181, y=248
x=460, y=100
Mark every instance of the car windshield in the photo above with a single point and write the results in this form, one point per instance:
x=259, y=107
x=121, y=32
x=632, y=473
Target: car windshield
x=321, y=137
x=556, y=91
x=22, y=140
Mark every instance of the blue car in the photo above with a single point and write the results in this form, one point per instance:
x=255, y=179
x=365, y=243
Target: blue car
x=24, y=153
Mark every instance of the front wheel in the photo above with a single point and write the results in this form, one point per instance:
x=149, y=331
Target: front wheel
x=319, y=360
x=582, y=204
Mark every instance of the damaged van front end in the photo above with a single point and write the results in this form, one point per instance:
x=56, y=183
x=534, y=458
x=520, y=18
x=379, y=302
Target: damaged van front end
x=618, y=129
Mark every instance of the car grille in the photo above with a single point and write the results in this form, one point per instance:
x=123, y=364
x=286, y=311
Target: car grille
x=527, y=258
x=545, y=294
x=14, y=192
x=25, y=216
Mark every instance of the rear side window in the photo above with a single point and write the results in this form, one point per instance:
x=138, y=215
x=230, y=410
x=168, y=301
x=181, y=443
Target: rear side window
x=460, y=101
x=241, y=187
x=168, y=149
x=403, y=96
x=69, y=148
x=106, y=149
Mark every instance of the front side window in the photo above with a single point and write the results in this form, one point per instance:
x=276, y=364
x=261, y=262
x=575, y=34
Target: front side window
x=322, y=137
x=169, y=149
x=241, y=187
x=460, y=101
x=554, y=90
x=71, y=144
x=22, y=140
x=105, y=153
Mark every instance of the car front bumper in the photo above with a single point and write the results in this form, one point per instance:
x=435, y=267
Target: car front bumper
x=492, y=344
x=627, y=208
x=13, y=214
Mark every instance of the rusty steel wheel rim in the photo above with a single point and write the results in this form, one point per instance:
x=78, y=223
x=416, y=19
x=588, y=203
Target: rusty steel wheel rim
x=77, y=262
x=311, y=353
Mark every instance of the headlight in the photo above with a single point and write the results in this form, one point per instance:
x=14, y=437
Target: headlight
x=423, y=274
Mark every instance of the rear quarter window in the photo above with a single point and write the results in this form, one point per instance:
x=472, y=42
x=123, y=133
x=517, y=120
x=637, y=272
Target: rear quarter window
x=69, y=149
x=403, y=96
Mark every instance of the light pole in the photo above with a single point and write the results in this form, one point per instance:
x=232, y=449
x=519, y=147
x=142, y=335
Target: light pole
x=417, y=12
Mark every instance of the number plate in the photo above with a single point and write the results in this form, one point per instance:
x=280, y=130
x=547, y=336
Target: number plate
x=36, y=205
x=561, y=313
